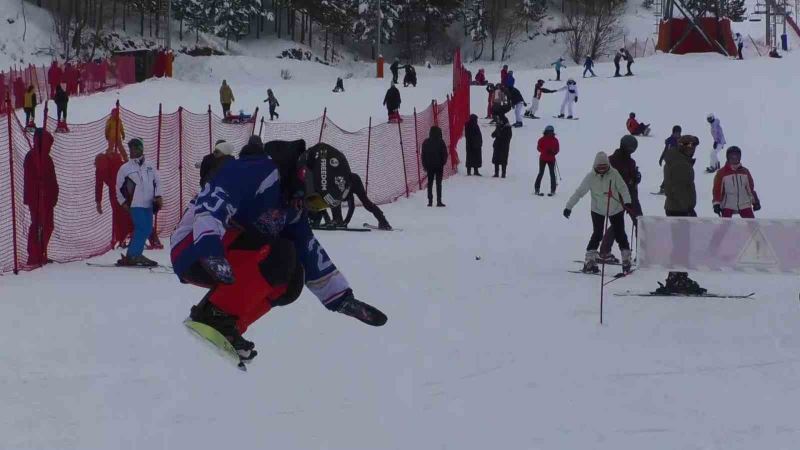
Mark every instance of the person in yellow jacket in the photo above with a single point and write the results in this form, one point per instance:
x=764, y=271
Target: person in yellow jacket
x=29, y=106
x=115, y=133
x=226, y=98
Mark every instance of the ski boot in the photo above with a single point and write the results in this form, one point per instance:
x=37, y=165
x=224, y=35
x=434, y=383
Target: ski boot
x=517, y=125
x=349, y=306
x=590, y=266
x=383, y=224
x=537, y=193
x=206, y=313
x=560, y=116
x=626, y=261
x=679, y=283
x=569, y=117
x=608, y=258
x=136, y=261
x=712, y=169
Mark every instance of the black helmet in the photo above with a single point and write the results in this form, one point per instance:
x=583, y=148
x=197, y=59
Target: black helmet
x=632, y=115
x=628, y=143
x=327, y=177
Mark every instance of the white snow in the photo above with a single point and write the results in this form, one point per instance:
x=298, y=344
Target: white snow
x=502, y=352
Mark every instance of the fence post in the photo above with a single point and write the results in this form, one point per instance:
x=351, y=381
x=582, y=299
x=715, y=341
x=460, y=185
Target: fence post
x=44, y=120
x=260, y=128
x=180, y=158
x=416, y=145
x=322, y=127
x=9, y=111
x=403, y=156
x=158, y=160
x=369, y=139
x=255, y=116
x=210, y=147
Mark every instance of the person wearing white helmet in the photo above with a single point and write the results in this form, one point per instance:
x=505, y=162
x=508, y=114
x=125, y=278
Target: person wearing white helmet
x=570, y=97
x=223, y=152
x=719, y=142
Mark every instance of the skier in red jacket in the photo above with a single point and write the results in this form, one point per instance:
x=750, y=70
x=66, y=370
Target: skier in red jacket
x=635, y=128
x=548, y=149
x=40, y=195
x=734, y=191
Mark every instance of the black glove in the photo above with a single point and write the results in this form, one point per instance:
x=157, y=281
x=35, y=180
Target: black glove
x=715, y=144
x=718, y=209
x=576, y=99
x=219, y=269
x=756, y=206
x=567, y=212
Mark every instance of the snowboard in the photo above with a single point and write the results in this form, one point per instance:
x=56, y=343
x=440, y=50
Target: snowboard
x=212, y=337
x=706, y=295
x=375, y=227
x=153, y=269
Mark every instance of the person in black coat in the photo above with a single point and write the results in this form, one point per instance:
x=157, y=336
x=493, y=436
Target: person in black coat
x=392, y=101
x=502, y=143
x=61, y=99
x=474, y=145
x=410, y=77
x=434, y=157
x=395, y=67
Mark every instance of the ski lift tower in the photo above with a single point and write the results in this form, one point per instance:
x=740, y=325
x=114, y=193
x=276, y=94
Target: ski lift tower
x=692, y=32
x=777, y=14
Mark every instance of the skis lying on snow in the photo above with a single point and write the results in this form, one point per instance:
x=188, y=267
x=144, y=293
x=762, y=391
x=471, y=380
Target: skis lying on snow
x=375, y=227
x=324, y=228
x=154, y=269
x=706, y=295
x=218, y=342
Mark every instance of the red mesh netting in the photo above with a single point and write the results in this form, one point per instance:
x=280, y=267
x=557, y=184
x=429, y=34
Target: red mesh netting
x=385, y=155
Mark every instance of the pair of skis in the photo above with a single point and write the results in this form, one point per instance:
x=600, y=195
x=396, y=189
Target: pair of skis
x=153, y=269
x=365, y=228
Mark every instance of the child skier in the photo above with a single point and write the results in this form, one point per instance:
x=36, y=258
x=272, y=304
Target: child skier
x=518, y=104
x=538, y=90
x=273, y=103
x=719, y=142
x=548, y=148
x=570, y=97
x=339, y=85
x=734, y=191
x=603, y=181
x=559, y=64
x=588, y=64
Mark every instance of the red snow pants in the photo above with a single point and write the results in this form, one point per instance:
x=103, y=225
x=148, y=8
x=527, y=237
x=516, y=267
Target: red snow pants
x=39, y=234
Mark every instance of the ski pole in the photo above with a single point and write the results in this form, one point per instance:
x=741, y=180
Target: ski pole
x=558, y=171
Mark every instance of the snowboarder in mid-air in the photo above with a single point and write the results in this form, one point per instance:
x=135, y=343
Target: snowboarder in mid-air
x=246, y=237
x=599, y=181
x=570, y=97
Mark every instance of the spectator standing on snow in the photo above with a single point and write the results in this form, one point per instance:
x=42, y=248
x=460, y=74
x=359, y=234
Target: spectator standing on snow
x=138, y=190
x=570, y=97
x=623, y=163
x=538, y=90
x=510, y=80
x=395, y=68
x=40, y=195
x=106, y=167
x=210, y=165
x=392, y=102
x=472, y=132
x=671, y=141
x=434, y=157
x=617, y=58
x=734, y=191
x=559, y=64
x=501, y=146
x=30, y=107
x=629, y=58
x=719, y=142
x=273, y=103
x=548, y=148
x=739, y=44
x=226, y=98
x=598, y=182
x=588, y=64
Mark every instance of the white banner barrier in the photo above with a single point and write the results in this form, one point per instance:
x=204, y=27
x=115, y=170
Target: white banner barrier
x=716, y=244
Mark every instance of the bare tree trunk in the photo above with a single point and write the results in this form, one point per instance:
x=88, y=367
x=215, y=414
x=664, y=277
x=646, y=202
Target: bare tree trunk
x=302, y=28
x=24, y=19
x=141, y=19
x=326, y=44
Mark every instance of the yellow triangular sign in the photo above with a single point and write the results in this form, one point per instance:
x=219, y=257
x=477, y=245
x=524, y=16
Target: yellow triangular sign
x=757, y=251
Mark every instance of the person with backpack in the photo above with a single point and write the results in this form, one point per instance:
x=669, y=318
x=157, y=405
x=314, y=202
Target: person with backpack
x=434, y=157
x=548, y=148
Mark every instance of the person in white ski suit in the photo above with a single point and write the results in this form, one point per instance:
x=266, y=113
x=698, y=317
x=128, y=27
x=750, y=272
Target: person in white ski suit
x=719, y=142
x=570, y=97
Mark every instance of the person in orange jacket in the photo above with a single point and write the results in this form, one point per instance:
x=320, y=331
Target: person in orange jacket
x=106, y=166
x=115, y=133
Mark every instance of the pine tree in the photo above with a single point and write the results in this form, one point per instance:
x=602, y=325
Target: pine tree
x=533, y=11
x=476, y=25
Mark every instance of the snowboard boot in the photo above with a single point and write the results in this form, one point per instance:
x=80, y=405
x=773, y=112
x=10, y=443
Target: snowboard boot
x=590, y=266
x=679, y=283
x=349, y=306
x=136, y=261
x=551, y=194
x=561, y=116
x=517, y=125
x=569, y=117
x=206, y=313
x=439, y=204
x=626, y=261
x=608, y=258
x=477, y=174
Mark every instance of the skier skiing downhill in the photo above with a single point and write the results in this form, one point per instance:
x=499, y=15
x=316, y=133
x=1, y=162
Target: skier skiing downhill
x=719, y=142
x=734, y=190
x=246, y=237
x=538, y=90
x=570, y=97
x=602, y=179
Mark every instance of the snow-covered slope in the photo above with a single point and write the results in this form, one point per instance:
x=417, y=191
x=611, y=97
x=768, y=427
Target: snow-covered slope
x=500, y=352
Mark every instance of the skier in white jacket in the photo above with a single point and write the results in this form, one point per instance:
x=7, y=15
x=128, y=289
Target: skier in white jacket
x=139, y=192
x=570, y=97
x=600, y=181
x=719, y=142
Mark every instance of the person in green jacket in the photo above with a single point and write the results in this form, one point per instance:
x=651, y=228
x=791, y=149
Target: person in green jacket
x=602, y=180
x=680, y=202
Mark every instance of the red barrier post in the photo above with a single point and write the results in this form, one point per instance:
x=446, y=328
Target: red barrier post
x=13, y=196
x=158, y=159
x=210, y=146
x=322, y=127
x=369, y=139
x=403, y=156
x=255, y=116
x=180, y=158
x=416, y=145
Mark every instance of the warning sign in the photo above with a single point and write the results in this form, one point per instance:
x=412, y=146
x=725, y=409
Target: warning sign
x=757, y=251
